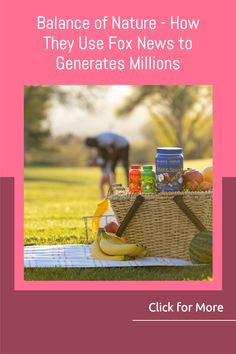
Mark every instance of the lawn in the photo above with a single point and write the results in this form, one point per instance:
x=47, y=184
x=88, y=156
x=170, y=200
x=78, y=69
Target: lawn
x=56, y=199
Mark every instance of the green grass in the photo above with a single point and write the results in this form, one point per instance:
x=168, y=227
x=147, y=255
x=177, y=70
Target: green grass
x=55, y=201
x=134, y=273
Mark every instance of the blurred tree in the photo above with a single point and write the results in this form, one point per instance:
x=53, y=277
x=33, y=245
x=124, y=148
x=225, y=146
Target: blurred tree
x=180, y=116
x=62, y=150
x=36, y=126
x=38, y=100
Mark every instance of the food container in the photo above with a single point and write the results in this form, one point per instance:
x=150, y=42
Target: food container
x=135, y=179
x=160, y=225
x=169, y=169
x=148, y=180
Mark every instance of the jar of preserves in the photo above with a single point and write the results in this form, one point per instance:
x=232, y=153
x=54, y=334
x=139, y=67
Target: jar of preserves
x=148, y=180
x=169, y=169
x=135, y=179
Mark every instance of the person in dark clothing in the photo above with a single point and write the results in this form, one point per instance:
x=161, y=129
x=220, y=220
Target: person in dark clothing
x=113, y=148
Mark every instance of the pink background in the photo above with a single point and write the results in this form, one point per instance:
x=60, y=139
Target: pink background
x=24, y=61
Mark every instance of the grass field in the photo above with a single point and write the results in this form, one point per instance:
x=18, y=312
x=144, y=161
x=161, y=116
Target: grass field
x=55, y=201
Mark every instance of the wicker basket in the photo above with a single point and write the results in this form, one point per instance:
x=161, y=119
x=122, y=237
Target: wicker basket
x=160, y=225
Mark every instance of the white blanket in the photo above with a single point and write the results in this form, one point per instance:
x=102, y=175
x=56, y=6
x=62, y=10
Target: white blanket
x=79, y=256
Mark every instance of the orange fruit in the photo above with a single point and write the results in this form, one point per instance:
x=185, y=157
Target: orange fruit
x=208, y=174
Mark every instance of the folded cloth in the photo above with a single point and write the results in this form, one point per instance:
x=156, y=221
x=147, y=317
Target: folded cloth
x=79, y=256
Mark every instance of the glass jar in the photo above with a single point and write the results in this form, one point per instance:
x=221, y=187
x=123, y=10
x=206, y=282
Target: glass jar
x=135, y=179
x=169, y=169
x=148, y=180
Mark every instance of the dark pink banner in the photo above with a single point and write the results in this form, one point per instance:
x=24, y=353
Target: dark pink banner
x=102, y=322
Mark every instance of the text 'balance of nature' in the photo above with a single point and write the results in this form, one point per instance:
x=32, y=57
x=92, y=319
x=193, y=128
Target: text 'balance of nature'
x=57, y=23
x=116, y=23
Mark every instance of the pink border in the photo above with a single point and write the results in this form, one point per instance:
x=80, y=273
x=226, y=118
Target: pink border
x=24, y=61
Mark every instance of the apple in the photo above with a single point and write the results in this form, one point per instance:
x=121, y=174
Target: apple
x=208, y=174
x=192, y=175
x=205, y=186
x=192, y=185
x=111, y=228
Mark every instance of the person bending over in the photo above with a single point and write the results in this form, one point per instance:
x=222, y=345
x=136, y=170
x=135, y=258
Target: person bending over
x=113, y=148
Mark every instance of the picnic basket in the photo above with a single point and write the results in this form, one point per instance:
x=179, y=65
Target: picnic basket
x=160, y=224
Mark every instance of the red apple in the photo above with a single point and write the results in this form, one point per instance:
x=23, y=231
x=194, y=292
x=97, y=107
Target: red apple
x=192, y=185
x=192, y=175
x=111, y=228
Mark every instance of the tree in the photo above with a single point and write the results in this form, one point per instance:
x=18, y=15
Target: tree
x=36, y=126
x=37, y=101
x=179, y=116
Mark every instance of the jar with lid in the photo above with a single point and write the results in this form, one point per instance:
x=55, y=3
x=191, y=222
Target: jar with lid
x=148, y=180
x=169, y=169
x=135, y=179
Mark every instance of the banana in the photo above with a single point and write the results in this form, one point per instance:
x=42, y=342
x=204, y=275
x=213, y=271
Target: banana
x=99, y=255
x=112, y=238
x=111, y=246
x=139, y=252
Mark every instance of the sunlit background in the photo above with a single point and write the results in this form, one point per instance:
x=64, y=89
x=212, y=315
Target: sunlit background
x=58, y=118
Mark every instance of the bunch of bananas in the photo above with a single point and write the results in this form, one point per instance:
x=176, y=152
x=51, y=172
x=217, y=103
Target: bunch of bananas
x=112, y=248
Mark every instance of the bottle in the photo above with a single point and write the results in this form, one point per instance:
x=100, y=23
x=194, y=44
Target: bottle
x=148, y=180
x=135, y=179
x=169, y=169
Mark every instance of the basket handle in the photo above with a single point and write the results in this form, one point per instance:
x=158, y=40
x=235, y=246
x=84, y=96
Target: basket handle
x=178, y=199
x=134, y=207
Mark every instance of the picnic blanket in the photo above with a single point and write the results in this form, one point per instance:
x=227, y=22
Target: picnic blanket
x=79, y=256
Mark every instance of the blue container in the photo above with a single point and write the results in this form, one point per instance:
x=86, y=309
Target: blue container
x=169, y=169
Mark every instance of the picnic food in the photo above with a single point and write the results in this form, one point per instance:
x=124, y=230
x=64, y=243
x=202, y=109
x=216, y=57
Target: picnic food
x=169, y=169
x=99, y=255
x=112, y=227
x=192, y=175
x=113, y=248
x=208, y=174
x=200, y=250
x=135, y=179
x=139, y=252
x=192, y=185
x=148, y=180
x=195, y=180
x=204, y=186
x=113, y=245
